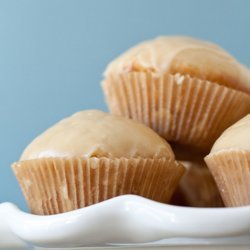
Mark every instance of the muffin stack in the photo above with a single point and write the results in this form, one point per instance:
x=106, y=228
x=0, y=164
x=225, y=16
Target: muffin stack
x=175, y=90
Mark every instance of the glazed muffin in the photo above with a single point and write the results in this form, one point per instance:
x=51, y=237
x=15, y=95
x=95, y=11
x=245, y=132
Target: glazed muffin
x=229, y=162
x=93, y=156
x=189, y=91
x=197, y=187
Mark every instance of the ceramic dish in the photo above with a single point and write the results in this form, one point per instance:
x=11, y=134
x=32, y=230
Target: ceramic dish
x=127, y=221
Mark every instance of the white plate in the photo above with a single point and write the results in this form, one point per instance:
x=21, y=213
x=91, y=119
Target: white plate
x=129, y=220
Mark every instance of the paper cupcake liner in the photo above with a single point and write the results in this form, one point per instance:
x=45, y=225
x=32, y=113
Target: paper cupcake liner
x=231, y=171
x=197, y=187
x=178, y=107
x=54, y=185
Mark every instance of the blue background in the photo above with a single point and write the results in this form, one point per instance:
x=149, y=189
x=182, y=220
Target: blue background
x=53, y=53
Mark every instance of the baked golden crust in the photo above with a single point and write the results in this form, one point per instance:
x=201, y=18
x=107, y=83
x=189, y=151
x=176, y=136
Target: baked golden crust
x=186, y=56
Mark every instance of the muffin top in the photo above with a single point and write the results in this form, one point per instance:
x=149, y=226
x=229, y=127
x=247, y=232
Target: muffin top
x=93, y=133
x=236, y=137
x=186, y=56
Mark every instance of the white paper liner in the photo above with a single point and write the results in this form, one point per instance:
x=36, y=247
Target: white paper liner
x=180, y=108
x=231, y=171
x=54, y=185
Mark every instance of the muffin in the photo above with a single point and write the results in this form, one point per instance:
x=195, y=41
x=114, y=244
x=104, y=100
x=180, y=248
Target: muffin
x=181, y=87
x=197, y=187
x=93, y=156
x=229, y=163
